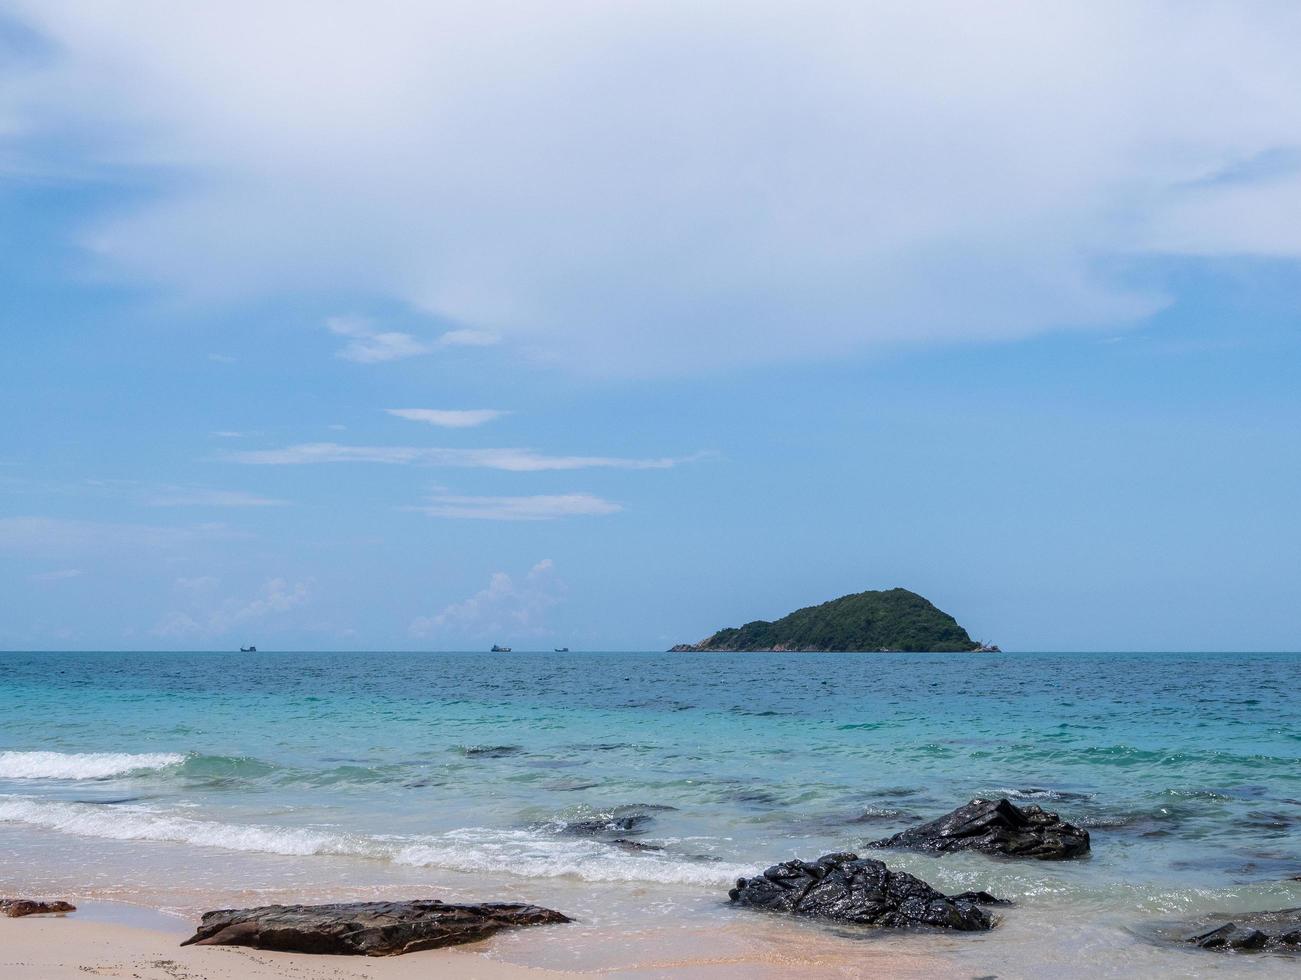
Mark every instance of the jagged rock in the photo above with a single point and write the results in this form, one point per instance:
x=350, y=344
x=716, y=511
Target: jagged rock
x=996, y=827
x=1255, y=931
x=846, y=888
x=980, y=898
x=17, y=907
x=364, y=928
x=630, y=823
x=635, y=845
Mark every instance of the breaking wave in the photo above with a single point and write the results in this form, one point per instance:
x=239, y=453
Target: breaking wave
x=81, y=765
x=515, y=852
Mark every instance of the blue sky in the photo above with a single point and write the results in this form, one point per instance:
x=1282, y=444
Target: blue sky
x=427, y=328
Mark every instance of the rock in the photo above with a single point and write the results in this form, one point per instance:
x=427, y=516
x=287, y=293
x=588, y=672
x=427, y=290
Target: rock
x=630, y=818
x=845, y=888
x=489, y=751
x=635, y=845
x=627, y=824
x=1229, y=936
x=1255, y=931
x=980, y=898
x=996, y=827
x=364, y=928
x=17, y=907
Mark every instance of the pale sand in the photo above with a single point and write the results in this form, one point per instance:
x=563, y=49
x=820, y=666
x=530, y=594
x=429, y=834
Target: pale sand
x=64, y=948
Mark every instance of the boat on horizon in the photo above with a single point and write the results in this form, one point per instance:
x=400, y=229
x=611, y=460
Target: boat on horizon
x=562, y=649
x=497, y=649
x=248, y=649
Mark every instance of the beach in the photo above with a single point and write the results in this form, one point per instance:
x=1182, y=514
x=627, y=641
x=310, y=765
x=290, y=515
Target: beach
x=630, y=791
x=63, y=948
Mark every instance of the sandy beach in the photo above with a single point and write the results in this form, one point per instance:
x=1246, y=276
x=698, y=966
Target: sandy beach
x=67, y=947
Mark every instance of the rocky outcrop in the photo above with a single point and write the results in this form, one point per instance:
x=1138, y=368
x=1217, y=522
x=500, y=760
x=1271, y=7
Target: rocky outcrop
x=846, y=888
x=17, y=907
x=996, y=827
x=1255, y=931
x=364, y=928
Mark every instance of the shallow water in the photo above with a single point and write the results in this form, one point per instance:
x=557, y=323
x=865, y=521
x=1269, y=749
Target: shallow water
x=183, y=779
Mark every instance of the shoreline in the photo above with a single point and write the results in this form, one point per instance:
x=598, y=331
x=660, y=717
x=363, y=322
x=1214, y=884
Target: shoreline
x=132, y=942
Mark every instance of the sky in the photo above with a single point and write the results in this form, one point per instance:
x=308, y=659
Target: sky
x=421, y=326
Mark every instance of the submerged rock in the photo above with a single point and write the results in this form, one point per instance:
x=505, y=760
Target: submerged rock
x=980, y=898
x=996, y=827
x=1255, y=931
x=846, y=888
x=630, y=823
x=364, y=928
x=16, y=908
x=635, y=845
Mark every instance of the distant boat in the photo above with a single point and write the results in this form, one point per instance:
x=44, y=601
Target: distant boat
x=562, y=649
x=248, y=649
x=497, y=649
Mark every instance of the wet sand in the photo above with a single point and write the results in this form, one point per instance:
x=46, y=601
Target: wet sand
x=114, y=942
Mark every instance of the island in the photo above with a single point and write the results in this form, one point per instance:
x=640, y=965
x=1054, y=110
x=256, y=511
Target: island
x=894, y=620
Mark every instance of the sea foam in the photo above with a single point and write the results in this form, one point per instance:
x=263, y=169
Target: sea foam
x=514, y=852
x=81, y=765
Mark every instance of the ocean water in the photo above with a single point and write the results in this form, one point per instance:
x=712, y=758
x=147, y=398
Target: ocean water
x=182, y=781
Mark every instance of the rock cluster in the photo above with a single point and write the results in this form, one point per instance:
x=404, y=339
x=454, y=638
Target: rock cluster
x=996, y=827
x=364, y=928
x=846, y=888
x=18, y=907
x=1255, y=931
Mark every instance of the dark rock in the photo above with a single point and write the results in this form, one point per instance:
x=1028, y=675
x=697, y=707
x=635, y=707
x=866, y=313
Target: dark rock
x=980, y=898
x=16, y=908
x=996, y=827
x=1254, y=931
x=635, y=845
x=1229, y=936
x=490, y=751
x=364, y=928
x=845, y=888
x=626, y=824
x=629, y=818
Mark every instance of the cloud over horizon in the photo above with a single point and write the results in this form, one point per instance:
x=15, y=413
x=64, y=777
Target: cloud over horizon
x=652, y=188
x=507, y=607
x=539, y=507
x=448, y=418
x=514, y=460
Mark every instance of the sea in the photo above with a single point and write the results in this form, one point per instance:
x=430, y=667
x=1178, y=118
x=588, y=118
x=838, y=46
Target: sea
x=630, y=790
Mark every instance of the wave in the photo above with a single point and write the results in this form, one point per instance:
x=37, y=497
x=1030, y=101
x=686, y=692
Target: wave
x=519, y=853
x=82, y=765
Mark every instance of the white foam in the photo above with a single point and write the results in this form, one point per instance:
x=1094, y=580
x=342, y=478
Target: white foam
x=521, y=853
x=81, y=765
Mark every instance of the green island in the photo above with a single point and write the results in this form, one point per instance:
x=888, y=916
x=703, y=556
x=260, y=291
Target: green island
x=894, y=620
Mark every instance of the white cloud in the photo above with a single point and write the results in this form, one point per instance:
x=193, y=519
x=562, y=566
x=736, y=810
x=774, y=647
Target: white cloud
x=277, y=597
x=196, y=583
x=59, y=575
x=540, y=507
x=448, y=418
x=52, y=535
x=507, y=607
x=199, y=497
x=468, y=338
x=516, y=460
x=370, y=346
x=670, y=186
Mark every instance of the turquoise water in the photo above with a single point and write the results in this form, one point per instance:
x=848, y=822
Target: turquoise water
x=316, y=773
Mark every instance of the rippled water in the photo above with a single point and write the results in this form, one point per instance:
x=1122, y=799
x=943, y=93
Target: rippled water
x=330, y=773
